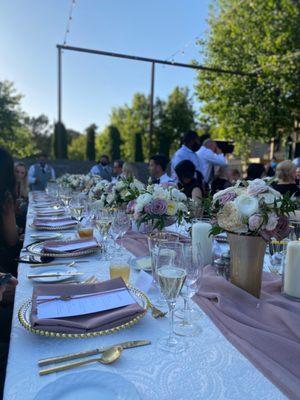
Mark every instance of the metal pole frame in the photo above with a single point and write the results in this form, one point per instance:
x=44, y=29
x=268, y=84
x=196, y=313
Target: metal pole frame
x=153, y=61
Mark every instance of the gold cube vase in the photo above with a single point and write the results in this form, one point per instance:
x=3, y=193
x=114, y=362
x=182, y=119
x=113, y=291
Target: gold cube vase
x=246, y=262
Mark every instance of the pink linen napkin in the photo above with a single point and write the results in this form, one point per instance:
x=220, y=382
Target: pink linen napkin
x=50, y=211
x=53, y=223
x=62, y=246
x=82, y=323
x=136, y=243
x=265, y=330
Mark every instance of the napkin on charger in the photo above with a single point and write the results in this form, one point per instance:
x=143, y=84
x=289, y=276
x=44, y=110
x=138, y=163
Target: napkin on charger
x=62, y=246
x=50, y=223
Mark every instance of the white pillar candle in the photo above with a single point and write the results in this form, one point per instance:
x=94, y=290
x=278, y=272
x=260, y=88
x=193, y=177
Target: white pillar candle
x=200, y=234
x=292, y=269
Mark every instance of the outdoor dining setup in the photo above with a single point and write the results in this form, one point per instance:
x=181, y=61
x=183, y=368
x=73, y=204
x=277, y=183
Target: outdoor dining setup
x=132, y=291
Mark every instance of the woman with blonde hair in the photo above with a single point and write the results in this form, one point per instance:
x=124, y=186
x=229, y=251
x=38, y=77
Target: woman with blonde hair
x=21, y=193
x=286, y=178
x=129, y=170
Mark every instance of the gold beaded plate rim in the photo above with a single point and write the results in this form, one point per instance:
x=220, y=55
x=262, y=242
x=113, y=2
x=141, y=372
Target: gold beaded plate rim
x=33, y=249
x=52, y=228
x=24, y=319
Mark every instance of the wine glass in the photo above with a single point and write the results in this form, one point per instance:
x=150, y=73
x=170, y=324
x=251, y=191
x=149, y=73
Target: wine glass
x=170, y=275
x=77, y=207
x=277, y=252
x=103, y=221
x=66, y=196
x=193, y=263
x=120, y=226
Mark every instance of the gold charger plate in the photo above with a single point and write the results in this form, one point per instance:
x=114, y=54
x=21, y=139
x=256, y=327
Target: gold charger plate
x=37, y=249
x=53, y=228
x=25, y=310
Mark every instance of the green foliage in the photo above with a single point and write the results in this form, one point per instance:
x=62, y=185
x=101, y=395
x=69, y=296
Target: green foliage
x=41, y=131
x=114, y=143
x=252, y=36
x=90, y=142
x=60, y=141
x=77, y=148
x=138, y=148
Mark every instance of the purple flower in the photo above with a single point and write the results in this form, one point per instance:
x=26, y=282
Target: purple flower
x=230, y=196
x=130, y=207
x=157, y=207
x=255, y=222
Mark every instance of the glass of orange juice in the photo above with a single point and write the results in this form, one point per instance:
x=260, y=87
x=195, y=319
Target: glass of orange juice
x=119, y=268
x=85, y=229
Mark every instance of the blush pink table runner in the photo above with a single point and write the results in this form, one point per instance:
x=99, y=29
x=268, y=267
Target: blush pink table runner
x=265, y=330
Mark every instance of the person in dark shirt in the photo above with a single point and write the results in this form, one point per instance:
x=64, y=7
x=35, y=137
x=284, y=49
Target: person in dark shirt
x=255, y=171
x=286, y=179
x=191, y=186
x=223, y=179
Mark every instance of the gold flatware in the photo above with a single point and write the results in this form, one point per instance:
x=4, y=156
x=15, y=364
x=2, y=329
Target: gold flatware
x=57, y=275
x=108, y=357
x=156, y=312
x=74, y=356
x=54, y=264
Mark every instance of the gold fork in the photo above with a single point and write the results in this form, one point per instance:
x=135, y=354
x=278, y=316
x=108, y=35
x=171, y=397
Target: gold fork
x=156, y=312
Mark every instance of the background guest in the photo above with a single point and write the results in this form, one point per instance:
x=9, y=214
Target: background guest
x=192, y=187
x=222, y=180
x=118, y=171
x=210, y=155
x=235, y=175
x=102, y=168
x=40, y=173
x=129, y=170
x=298, y=176
x=190, y=145
x=255, y=171
x=286, y=178
x=158, y=167
x=21, y=194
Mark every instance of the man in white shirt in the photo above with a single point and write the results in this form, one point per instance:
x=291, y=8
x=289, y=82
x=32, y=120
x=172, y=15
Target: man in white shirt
x=210, y=155
x=157, y=168
x=190, y=144
x=102, y=168
x=40, y=173
x=118, y=171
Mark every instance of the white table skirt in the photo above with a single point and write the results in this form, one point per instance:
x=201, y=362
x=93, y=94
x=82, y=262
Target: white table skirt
x=211, y=368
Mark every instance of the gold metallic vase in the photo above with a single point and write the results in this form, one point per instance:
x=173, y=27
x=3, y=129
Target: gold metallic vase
x=246, y=262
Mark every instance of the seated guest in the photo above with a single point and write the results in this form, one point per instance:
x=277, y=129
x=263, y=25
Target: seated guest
x=40, y=173
x=129, y=170
x=192, y=187
x=223, y=179
x=210, y=155
x=118, y=170
x=9, y=245
x=5, y=323
x=298, y=176
x=157, y=168
x=286, y=179
x=21, y=194
x=235, y=175
x=255, y=171
x=190, y=144
x=102, y=168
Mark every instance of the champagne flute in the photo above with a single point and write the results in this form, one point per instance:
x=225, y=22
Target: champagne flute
x=171, y=275
x=193, y=262
x=77, y=207
x=103, y=221
x=66, y=196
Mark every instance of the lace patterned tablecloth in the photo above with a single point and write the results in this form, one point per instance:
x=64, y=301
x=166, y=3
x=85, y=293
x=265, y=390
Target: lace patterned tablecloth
x=211, y=368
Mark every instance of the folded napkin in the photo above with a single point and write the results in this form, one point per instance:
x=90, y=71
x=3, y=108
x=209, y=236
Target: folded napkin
x=136, y=243
x=50, y=211
x=53, y=223
x=62, y=246
x=82, y=323
x=265, y=330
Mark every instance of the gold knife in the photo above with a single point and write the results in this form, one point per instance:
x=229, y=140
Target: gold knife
x=58, y=275
x=74, y=356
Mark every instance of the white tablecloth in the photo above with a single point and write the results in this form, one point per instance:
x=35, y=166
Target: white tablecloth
x=211, y=368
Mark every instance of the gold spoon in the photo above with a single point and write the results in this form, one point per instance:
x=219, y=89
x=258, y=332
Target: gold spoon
x=108, y=357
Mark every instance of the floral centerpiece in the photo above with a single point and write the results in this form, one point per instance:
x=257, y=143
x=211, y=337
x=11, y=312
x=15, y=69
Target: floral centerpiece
x=159, y=206
x=251, y=212
x=78, y=182
x=96, y=191
x=118, y=195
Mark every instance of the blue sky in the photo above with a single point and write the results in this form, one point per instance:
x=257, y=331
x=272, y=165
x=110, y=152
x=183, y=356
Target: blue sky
x=92, y=85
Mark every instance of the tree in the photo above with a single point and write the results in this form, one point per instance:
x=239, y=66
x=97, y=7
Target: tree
x=90, y=142
x=114, y=143
x=41, y=131
x=252, y=36
x=60, y=141
x=138, y=148
x=77, y=148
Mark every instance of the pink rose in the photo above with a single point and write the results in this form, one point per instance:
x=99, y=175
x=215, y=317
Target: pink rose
x=255, y=222
x=227, y=197
x=272, y=222
x=256, y=187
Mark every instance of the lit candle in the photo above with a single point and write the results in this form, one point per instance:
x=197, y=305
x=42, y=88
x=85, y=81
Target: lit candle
x=292, y=270
x=200, y=234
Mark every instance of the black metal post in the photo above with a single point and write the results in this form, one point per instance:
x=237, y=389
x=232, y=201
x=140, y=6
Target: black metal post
x=59, y=83
x=151, y=108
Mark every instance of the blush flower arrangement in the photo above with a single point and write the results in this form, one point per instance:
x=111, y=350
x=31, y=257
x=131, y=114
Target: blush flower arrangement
x=252, y=208
x=159, y=206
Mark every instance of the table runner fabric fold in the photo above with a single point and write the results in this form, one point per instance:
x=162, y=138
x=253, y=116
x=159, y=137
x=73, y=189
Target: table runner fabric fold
x=265, y=330
x=82, y=323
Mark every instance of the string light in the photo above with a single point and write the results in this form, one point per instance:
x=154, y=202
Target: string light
x=182, y=50
x=70, y=18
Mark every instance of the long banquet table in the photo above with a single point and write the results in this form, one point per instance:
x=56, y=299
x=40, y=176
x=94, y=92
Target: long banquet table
x=211, y=368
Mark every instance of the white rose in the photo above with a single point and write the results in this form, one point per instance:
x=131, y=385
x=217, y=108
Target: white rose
x=110, y=198
x=246, y=205
x=160, y=193
x=143, y=200
x=270, y=196
x=120, y=185
x=137, y=184
x=230, y=219
x=178, y=195
x=256, y=186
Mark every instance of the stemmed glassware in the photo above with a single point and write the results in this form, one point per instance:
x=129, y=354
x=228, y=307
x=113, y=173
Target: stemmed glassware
x=77, y=207
x=103, y=222
x=170, y=274
x=66, y=196
x=120, y=226
x=193, y=264
x=277, y=253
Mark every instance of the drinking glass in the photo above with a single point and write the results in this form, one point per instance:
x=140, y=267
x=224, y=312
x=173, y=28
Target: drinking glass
x=193, y=264
x=277, y=252
x=119, y=268
x=66, y=196
x=103, y=221
x=171, y=274
x=85, y=228
x=120, y=226
x=77, y=207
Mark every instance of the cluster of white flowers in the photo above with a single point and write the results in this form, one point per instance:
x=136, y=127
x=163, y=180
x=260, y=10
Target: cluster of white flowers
x=78, y=182
x=248, y=209
x=98, y=189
